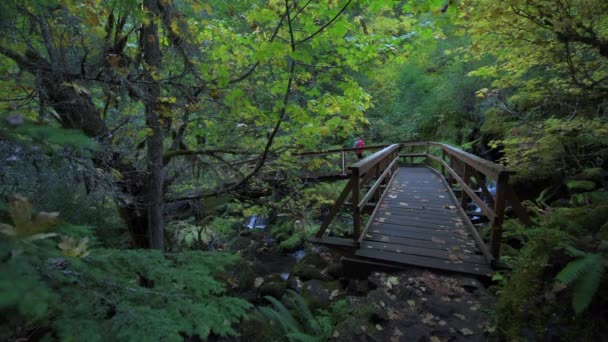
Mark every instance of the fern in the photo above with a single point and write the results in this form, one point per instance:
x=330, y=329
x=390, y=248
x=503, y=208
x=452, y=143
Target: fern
x=585, y=273
x=298, y=325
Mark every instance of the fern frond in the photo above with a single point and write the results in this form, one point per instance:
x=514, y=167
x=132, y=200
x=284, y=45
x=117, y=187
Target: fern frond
x=586, y=286
x=308, y=319
x=281, y=315
x=575, y=252
x=574, y=269
x=302, y=337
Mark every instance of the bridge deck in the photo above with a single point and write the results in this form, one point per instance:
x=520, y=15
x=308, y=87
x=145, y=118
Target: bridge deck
x=419, y=224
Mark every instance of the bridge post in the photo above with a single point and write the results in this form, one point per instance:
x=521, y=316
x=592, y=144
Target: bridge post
x=499, y=209
x=343, y=162
x=427, y=154
x=465, y=177
x=355, y=203
x=442, y=166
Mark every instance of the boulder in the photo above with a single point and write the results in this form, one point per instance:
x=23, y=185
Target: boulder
x=307, y=272
x=319, y=294
x=335, y=270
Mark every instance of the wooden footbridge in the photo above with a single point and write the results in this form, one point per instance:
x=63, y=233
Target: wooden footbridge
x=408, y=201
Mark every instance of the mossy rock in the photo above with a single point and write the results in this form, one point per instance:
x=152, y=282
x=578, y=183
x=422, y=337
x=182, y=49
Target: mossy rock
x=293, y=243
x=318, y=294
x=313, y=259
x=595, y=174
x=335, y=270
x=307, y=272
x=274, y=289
x=578, y=186
x=590, y=198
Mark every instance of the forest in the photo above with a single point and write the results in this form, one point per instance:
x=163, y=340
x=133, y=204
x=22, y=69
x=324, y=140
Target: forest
x=160, y=176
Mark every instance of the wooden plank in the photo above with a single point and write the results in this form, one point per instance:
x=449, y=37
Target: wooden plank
x=422, y=223
x=406, y=208
x=377, y=208
x=432, y=253
x=439, y=239
x=420, y=213
x=478, y=240
x=466, y=247
x=443, y=231
x=438, y=202
x=334, y=241
x=426, y=262
x=404, y=205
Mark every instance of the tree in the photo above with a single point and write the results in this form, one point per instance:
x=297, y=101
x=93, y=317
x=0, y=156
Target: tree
x=271, y=73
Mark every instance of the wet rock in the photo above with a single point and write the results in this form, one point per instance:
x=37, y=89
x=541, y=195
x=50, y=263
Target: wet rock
x=295, y=283
x=375, y=280
x=273, y=286
x=314, y=259
x=335, y=270
x=273, y=289
x=307, y=272
x=319, y=294
x=242, y=244
x=358, y=287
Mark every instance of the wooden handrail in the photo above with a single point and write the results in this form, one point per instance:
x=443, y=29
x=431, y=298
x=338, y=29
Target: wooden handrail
x=486, y=167
x=383, y=164
x=473, y=166
x=460, y=166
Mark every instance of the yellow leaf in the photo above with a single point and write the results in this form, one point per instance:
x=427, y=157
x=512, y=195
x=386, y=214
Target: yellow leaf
x=20, y=209
x=74, y=248
x=117, y=175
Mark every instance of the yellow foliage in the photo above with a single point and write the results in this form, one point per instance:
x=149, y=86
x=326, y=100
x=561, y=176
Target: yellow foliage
x=20, y=210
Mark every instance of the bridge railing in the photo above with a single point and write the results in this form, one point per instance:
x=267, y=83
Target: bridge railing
x=467, y=169
x=379, y=167
x=343, y=156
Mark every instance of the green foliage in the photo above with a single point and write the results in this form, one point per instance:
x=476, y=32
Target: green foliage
x=528, y=297
x=585, y=272
x=295, y=320
x=555, y=147
x=118, y=294
x=580, y=185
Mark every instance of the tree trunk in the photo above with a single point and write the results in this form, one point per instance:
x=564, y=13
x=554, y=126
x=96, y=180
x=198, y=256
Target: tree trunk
x=75, y=109
x=152, y=59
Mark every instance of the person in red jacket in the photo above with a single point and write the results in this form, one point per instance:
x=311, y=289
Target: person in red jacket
x=359, y=145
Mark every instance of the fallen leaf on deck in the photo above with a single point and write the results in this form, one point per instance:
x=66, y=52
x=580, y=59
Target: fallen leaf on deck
x=466, y=331
x=428, y=319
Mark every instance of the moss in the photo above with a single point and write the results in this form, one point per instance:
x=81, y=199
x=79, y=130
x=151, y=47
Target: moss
x=595, y=174
x=590, y=198
x=295, y=241
x=576, y=186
